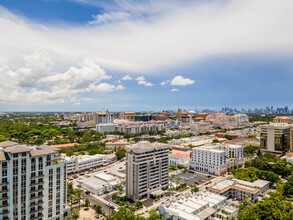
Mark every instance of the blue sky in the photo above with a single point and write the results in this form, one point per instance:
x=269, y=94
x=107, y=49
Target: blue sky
x=85, y=55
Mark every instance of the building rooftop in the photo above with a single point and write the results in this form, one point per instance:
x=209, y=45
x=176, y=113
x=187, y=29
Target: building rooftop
x=142, y=146
x=12, y=147
x=195, y=206
x=116, y=142
x=251, y=187
x=64, y=145
x=178, y=155
x=105, y=177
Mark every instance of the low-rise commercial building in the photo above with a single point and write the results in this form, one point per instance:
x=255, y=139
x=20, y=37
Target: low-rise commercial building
x=115, y=145
x=79, y=163
x=100, y=183
x=178, y=158
x=198, y=206
x=241, y=190
x=82, y=162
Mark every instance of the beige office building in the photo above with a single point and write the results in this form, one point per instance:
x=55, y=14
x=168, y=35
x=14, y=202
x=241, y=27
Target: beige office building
x=146, y=169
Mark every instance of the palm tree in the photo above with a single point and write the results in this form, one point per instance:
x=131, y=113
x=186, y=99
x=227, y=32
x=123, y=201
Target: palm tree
x=75, y=213
x=70, y=192
x=87, y=203
x=99, y=210
x=78, y=196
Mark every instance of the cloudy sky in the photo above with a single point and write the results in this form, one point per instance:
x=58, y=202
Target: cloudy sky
x=85, y=55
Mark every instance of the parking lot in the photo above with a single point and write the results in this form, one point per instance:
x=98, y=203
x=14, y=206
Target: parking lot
x=191, y=178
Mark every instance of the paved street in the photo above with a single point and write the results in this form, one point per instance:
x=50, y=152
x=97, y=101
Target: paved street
x=94, y=201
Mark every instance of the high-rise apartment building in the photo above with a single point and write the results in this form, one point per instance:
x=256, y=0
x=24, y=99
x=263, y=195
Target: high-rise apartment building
x=130, y=116
x=147, y=169
x=105, y=117
x=32, y=182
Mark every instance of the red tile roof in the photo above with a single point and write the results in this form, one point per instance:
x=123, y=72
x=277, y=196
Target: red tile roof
x=64, y=145
x=179, y=155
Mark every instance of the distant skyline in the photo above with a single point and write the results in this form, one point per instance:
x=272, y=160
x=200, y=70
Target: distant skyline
x=86, y=55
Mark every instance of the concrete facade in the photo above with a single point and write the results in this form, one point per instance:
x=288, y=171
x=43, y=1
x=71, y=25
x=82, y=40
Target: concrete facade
x=146, y=169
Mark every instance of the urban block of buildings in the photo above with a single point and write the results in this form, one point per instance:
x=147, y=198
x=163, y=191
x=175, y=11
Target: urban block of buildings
x=216, y=159
x=147, y=169
x=33, y=182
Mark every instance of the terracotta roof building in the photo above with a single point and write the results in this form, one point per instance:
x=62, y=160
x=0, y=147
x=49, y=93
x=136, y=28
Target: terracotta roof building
x=240, y=189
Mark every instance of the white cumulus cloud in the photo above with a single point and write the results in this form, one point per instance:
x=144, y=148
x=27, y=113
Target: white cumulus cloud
x=142, y=81
x=174, y=90
x=39, y=82
x=127, y=77
x=181, y=81
x=109, y=17
x=200, y=30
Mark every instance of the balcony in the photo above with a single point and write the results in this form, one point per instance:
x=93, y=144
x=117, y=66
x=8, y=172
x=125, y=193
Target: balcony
x=4, y=191
x=4, y=206
x=4, y=198
x=38, y=210
x=40, y=202
x=36, y=177
x=4, y=184
x=35, y=184
x=37, y=197
x=4, y=215
x=56, y=161
x=37, y=190
x=38, y=217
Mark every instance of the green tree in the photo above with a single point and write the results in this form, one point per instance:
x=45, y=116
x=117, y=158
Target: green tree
x=194, y=189
x=69, y=153
x=87, y=203
x=124, y=214
x=99, y=210
x=74, y=213
x=120, y=153
x=216, y=140
x=70, y=192
x=287, y=187
x=2, y=138
x=227, y=136
x=153, y=215
x=78, y=194
x=114, y=196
